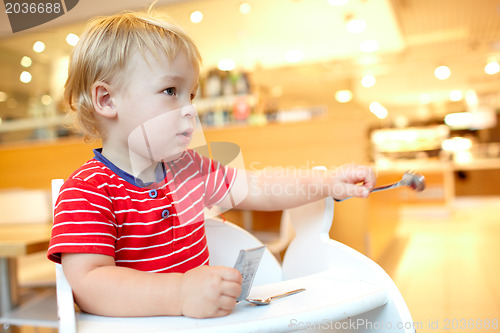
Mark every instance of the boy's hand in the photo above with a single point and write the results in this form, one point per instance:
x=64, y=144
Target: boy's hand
x=352, y=180
x=209, y=291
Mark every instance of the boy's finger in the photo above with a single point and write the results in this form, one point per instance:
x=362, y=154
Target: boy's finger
x=357, y=191
x=227, y=303
x=370, y=179
x=231, y=289
x=231, y=274
x=363, y=175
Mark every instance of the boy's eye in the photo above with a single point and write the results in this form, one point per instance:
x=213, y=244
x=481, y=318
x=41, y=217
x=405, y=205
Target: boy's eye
x=170, y=91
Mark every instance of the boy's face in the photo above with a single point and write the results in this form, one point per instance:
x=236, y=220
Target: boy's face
x=155, y=108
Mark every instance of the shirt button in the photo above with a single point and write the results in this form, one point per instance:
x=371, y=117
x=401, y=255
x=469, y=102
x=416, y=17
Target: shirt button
x=165, y=213
x=153, y=194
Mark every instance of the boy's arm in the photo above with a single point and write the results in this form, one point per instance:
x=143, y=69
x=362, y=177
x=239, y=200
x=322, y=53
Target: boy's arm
x=100, y=287
x=278, y=188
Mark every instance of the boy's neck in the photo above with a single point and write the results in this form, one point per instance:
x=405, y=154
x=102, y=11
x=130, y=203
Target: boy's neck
x=141, y=168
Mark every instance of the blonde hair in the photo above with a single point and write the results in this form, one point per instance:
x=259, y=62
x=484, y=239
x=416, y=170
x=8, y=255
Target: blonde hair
x=103, y=52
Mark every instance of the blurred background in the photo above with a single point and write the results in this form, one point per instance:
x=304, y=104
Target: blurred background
x=397, y=84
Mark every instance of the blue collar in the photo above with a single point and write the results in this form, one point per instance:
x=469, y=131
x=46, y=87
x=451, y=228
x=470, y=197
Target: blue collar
x=160, y=171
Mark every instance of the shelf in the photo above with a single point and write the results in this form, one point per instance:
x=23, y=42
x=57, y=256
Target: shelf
x=30, y=123
x=204, y=105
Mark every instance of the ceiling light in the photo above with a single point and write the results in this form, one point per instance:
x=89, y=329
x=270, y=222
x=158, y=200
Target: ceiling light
x=338, y=2
x=38, y=47
x=378, y=110
x=26, y=61
x=245, y=8
x=226, y=65
x=46, y=100
x=456, y=144
x=442, y=73
x=3, y=96
x=355, y=26
x=25, y=77
x=456, y=95
x=72, y=39
x=369, y=46
x=196, y=16
x=343, y=96
x=492, y=68
x=294, y=56
x=459, y=120
x=368, y=81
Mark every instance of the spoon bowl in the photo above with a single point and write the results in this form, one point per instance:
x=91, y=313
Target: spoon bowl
x=414, y=180
x=268, y=300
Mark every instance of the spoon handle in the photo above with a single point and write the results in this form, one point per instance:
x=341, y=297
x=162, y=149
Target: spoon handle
x=386, y=187
x=287, y=293
x=376, y=189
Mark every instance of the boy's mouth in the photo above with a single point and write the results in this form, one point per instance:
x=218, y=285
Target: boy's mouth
x=186, y=133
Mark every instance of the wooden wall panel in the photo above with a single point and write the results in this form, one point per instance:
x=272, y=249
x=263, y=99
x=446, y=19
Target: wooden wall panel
x=34, y=165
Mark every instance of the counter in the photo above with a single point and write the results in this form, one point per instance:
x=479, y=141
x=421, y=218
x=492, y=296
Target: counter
x=478, y=177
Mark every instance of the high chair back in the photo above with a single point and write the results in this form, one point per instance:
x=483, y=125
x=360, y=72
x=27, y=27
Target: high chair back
x=314, y=252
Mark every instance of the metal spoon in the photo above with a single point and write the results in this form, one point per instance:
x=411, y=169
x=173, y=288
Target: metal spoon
x=412, y=179
x=268, y=300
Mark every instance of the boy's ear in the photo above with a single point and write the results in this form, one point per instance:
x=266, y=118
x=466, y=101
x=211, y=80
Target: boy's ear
x=102, y=100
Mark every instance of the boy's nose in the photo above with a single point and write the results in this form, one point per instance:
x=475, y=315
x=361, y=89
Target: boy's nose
x=188, y=111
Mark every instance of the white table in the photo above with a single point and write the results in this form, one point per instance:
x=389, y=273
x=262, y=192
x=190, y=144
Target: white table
x=327, y=299
x=17, y=240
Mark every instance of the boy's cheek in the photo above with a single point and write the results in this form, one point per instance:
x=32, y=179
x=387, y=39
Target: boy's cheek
x=151, y=139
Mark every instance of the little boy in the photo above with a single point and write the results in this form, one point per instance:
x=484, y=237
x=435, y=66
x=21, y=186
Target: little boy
x=137, y=207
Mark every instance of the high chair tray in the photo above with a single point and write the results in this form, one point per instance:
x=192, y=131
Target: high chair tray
x=328, y=298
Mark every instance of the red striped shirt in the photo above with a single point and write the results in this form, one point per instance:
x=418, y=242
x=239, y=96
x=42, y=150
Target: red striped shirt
x=102, y=210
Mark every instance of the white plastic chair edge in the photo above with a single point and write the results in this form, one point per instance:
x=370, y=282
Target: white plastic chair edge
x=65, y=301
x=354, y=264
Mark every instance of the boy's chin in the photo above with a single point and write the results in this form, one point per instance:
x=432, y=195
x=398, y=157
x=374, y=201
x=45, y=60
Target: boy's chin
x=141, y=161
x=172, y=157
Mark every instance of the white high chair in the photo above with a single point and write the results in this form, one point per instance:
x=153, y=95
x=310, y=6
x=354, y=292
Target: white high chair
x=345, y=291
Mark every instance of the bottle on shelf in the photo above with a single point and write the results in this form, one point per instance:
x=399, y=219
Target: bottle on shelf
x=213, y=84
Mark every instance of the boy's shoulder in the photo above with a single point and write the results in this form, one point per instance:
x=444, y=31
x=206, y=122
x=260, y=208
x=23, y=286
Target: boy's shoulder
x=93, y=171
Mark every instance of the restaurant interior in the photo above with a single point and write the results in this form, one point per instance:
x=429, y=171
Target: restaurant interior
x=396, y=84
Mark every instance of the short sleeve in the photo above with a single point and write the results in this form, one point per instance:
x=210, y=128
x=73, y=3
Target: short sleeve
x=83, y=221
